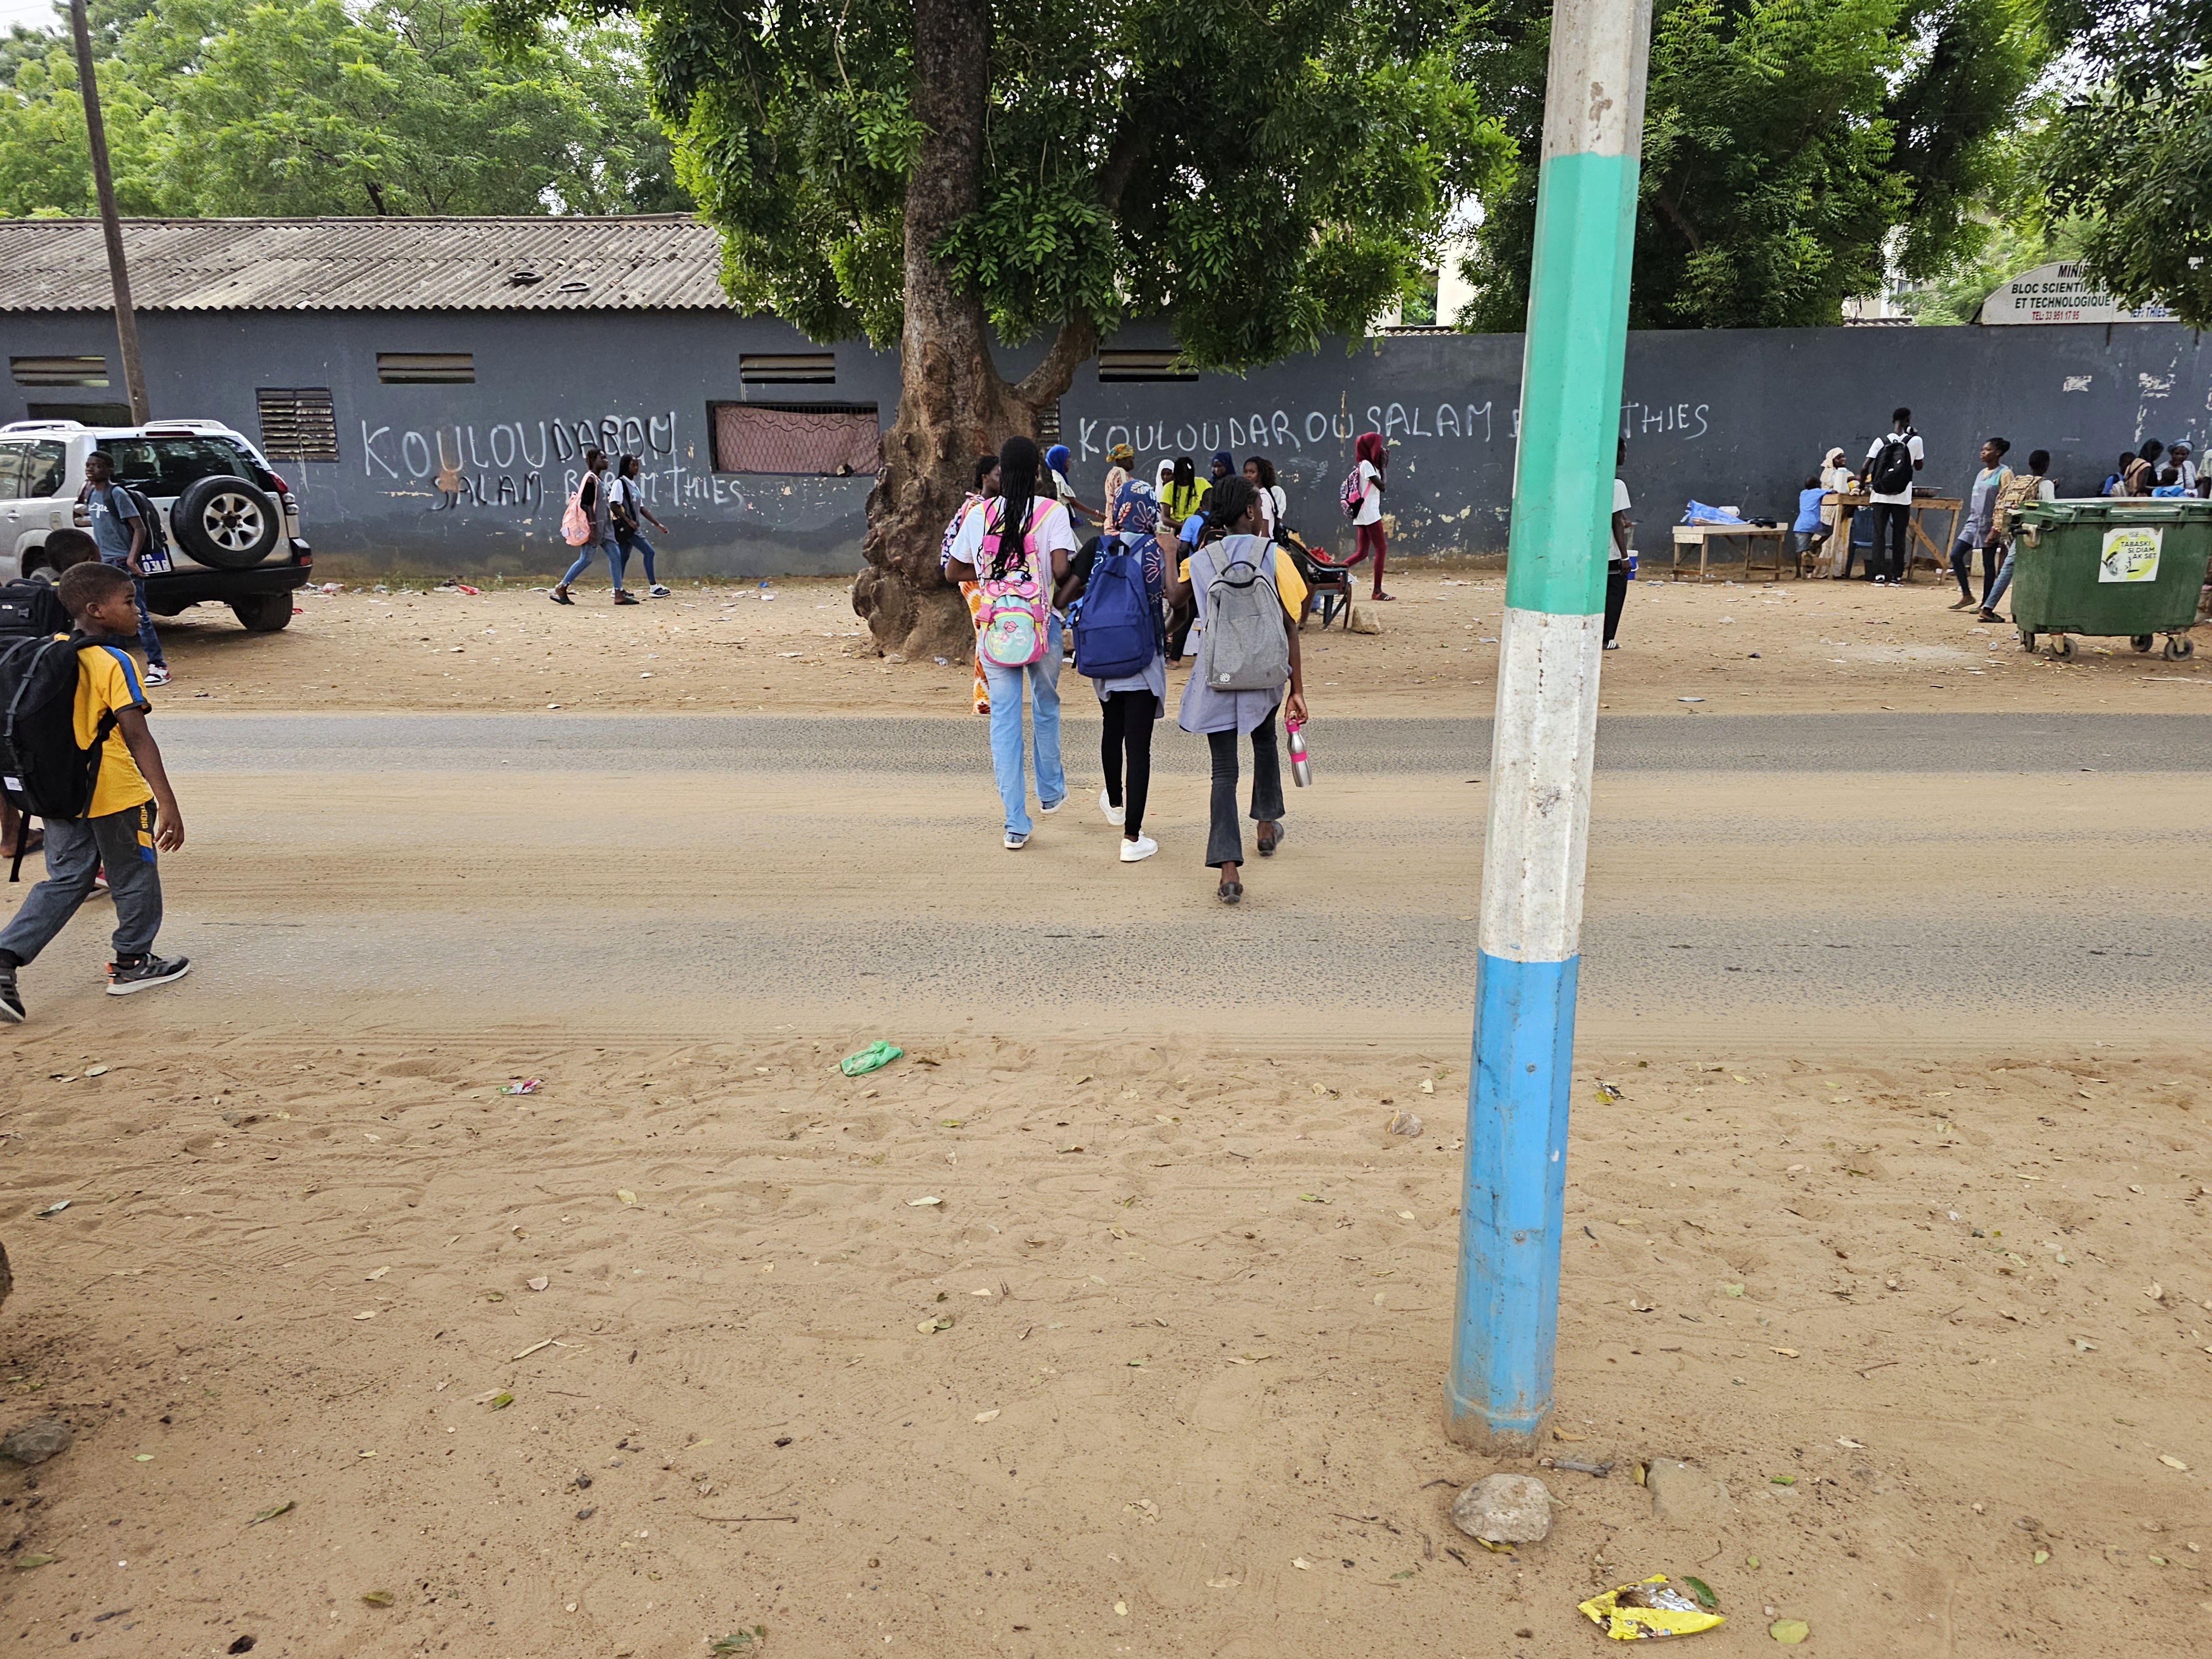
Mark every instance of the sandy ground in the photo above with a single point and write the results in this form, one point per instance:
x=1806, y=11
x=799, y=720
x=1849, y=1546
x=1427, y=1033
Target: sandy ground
x=1769, y=648
x=1119, y=1345
x=1918, y=1295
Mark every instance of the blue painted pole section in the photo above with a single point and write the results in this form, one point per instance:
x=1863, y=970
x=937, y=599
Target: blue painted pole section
x=1514, y=1195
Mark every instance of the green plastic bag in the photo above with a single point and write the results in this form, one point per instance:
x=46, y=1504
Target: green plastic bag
x=874, y=1057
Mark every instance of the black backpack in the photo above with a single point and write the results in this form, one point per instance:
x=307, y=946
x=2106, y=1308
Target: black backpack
x=43, y=772
x=30, y=609
x=157, y=538
x=1892, y=465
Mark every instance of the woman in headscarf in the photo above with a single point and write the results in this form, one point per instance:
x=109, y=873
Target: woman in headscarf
x=1119, y=460
x=1367, y=524
x=1055, y=460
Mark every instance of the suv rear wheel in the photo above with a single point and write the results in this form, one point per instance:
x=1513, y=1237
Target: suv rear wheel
x=263, y=613
x=226, y=523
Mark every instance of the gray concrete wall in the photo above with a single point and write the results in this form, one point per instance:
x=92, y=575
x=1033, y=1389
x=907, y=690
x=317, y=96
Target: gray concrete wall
x=1738, y=416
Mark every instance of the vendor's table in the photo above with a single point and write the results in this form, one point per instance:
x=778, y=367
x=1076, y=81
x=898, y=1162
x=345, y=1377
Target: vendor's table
x=1701, y=536
x=1848, y=505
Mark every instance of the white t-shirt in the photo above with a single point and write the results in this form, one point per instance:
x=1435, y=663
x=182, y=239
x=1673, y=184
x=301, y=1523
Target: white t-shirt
x=1912, y=444
x=1614, y=554
x=1370, y=503
x=1274, y=505
x=1050, y=531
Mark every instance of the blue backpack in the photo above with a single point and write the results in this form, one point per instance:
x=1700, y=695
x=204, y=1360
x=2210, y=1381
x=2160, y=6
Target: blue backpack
x=1118, y=630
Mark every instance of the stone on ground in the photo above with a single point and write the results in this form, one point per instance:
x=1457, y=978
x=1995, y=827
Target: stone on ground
x=1504, y=1509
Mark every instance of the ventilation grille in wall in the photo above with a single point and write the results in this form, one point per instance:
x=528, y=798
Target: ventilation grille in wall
x=426, y=367
x=1144, y=366
x=1049, y=426
x=815, y=441
x=58, y=371
x=83, y=414
x=787, y=369
x=297, y=423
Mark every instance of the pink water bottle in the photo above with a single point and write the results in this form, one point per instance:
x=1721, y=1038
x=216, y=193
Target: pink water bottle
x=1301, y=767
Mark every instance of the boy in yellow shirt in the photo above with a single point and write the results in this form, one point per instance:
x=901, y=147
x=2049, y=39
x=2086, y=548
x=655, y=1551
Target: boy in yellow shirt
x=132, y=811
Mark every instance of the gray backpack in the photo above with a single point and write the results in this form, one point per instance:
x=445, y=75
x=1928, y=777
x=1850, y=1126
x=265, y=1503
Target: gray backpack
x=1244, y=647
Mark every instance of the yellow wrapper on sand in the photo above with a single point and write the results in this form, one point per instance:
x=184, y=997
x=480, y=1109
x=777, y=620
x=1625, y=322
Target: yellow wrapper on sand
x=1637, y=1613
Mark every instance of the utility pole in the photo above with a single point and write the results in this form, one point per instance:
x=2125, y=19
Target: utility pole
x=1498, y=1393
x=118, y=273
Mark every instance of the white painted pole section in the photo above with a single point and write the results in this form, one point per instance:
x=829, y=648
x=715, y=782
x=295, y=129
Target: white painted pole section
x=1594, y=97
x=1539, y=785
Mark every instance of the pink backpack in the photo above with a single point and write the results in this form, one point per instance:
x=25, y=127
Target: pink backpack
x=1014, y=623
x=575, y=523
x=1352, y=492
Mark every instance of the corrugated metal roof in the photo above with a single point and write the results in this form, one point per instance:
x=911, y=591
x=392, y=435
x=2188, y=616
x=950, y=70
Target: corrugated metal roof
x=644, y=263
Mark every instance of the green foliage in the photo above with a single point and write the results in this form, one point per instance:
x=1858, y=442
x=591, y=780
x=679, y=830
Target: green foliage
x=2132, y=155
x=1785, y=146
x=244, y=107
x=1267, y=174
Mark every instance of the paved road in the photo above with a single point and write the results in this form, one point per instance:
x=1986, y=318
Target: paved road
x=1982, y=878
x=931, y=746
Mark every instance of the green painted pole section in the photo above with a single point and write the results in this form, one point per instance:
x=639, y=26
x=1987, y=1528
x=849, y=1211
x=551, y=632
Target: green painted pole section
x=1571, y=384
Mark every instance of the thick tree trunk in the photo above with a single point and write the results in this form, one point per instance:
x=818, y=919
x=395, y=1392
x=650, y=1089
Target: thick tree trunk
x=953, y=404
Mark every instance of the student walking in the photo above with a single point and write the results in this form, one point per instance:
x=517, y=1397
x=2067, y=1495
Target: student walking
x=626, y=506
x=1016, y=547
x=1374, y=465
x=1120, y=643
x=1616, y=563
x=96, y=704
x=596, y=502
x=1274, y=505
x=1891, y=462
x=1249, y=593
x=122, y=536
x=1975, y=534
x=2020, y=490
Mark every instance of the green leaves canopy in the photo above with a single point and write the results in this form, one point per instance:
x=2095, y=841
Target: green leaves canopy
x=1266, y=174
x=1786, y=145
x=251, y=108
x=2132, y=154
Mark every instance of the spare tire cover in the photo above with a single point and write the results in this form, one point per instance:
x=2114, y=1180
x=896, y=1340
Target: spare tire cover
x=226, y=522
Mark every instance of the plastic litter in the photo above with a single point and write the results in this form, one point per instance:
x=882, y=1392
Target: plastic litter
x=1650, y=1607
x=527, y=1086
x=877, y=1055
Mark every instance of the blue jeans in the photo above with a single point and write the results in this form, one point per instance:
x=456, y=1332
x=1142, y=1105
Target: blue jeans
x=1997, y=589
x=633, y=540
x=149, y=642
x=617, y=555
x=1043, y=677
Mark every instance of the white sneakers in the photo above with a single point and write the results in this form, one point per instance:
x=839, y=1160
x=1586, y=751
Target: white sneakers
x=1014, y=842
x=1114, y=815
x=1135, y=852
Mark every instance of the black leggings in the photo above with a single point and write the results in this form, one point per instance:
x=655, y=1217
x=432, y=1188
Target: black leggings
x=1129, y=717
x=1223, y=842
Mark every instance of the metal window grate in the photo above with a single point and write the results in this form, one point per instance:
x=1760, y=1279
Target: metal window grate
x=297, y=423
x=813, y=440
x=1049, y=426
x=787, y=369
x=1144, y=366
x=82, y=414
x=58, y=371
x=426, y=367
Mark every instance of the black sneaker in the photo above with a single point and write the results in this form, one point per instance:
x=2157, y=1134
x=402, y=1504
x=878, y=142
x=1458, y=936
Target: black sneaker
x=11, y=1000
x=138, y=973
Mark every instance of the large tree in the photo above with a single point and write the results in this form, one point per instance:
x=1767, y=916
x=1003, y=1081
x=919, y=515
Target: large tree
x=2131, y=153
x=225, y=107
x=1788, y=150
x=954, y=174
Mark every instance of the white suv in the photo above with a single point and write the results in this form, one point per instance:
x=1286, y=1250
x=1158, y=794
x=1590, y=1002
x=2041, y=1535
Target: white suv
x=233, y=528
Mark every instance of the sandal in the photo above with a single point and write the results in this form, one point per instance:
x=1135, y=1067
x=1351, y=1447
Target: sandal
x=1231, y=892
x=1386, y=598
x=624, y=596
x=560, y=596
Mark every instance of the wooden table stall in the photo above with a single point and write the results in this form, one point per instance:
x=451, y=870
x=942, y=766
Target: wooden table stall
x=1849, y=506
x=1703, y=536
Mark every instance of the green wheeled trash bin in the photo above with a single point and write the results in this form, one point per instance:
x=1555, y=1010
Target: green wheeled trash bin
x=2128, y=568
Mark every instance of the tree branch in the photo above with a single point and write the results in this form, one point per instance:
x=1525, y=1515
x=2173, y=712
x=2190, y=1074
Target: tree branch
x=1049, y=379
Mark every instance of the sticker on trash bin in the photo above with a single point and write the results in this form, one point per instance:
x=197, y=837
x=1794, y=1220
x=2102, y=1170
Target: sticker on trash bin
x=2131, y=554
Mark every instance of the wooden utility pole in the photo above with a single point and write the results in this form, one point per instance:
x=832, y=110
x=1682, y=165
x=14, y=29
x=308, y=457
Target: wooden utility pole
x=118, y=273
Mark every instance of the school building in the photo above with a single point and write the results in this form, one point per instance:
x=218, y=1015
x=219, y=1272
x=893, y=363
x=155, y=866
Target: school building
x=428, y=386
